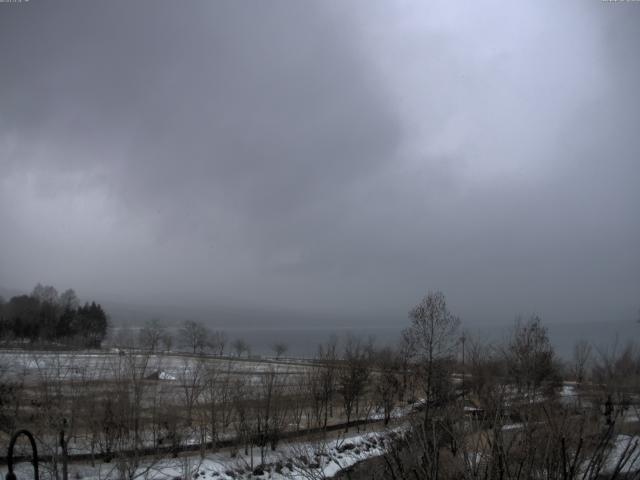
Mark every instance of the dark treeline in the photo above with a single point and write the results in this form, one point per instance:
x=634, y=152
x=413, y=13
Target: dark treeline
x=49, y=317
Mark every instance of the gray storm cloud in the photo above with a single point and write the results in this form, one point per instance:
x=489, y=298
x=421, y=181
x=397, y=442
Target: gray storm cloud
x=327, y=157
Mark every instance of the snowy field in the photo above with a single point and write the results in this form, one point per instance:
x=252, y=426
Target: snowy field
x=90, y=366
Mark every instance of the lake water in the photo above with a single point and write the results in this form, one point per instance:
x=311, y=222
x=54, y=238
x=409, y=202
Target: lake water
x=304, y=341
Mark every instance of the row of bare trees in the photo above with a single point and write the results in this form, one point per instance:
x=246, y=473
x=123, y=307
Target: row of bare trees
x=497, y=413
x=191, y=337
x=508, y=414
x=133, y=409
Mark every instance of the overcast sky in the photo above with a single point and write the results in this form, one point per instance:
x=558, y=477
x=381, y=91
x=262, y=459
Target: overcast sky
x=327, y=156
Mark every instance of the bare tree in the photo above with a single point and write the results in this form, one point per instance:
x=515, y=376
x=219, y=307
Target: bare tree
x=45, y=293
x=581, y=358
x=166, y=340
x=218, y=342
x=487, y=374
x=124, y=415
x=124, y=338
x=54, y=424
x=434, y=332
x=194, y=335
x=240, y=346
x=386, y=382
x=269, y=412
x=69, y=300
x=531, y=358
x=213, y=397
x=279, y=348
x=241, y=402
x=11, y=397
x=352, y=377
x=406, y=353
x=298, y=395
x=151, y=334
x=618, y=372
x=327, y=356
x=315, y=395
x=190, y=378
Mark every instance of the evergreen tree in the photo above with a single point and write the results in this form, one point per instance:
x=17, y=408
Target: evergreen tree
x=45, y=316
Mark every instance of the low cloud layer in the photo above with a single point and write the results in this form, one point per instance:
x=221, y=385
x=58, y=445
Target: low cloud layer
x=326, y=157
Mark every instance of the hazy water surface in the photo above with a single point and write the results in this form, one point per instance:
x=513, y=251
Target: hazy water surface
x=304, y=341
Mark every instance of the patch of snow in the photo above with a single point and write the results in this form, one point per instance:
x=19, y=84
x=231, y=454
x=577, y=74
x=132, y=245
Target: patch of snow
x=568, y=390
x=512, y=426
x=625, y=448
x=293, y=460
x=166, y=376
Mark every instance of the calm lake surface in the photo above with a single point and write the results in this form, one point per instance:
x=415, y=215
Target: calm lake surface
x=303, y=342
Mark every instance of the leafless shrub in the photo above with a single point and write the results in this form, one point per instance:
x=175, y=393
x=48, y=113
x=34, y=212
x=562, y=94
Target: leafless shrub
x=151, y=335
x=386, y=381
x=353, y=375
x=530, y=359
x=433, y=330
x=580, y=361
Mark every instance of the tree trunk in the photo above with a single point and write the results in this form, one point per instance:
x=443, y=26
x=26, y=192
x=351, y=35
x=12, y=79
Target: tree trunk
x=63, y=445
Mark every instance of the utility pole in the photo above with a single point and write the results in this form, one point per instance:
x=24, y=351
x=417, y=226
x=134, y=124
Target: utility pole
x=463, y=338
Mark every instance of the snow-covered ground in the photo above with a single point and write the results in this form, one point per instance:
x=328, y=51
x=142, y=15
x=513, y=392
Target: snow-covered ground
x=296, y=460
x=568, y=390
x=89, y=365
x=624, y=454
x=397, y=412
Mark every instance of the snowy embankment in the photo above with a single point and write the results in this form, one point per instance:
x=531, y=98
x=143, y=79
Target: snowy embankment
x=624, y=456
x=317, y=459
